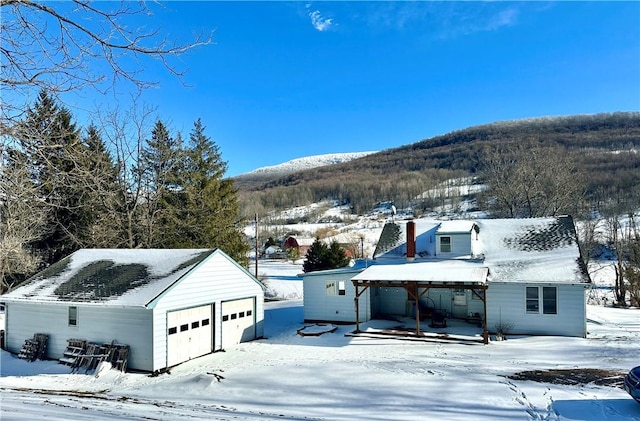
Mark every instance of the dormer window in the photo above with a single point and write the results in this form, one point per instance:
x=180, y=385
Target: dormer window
x=445, y=244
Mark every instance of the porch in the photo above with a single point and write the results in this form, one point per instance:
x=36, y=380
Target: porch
x=416, y=280
x=467, y=332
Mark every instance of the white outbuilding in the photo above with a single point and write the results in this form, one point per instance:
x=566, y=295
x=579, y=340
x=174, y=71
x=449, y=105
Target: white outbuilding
x=167, y=305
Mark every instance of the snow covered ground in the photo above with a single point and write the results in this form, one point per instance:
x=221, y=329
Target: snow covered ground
x=335, y=376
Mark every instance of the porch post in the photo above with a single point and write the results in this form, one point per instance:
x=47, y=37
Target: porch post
x=485, y=331
x=357, y=307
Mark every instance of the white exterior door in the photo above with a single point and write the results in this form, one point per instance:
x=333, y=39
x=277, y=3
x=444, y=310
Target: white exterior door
x=238, y=321
x=189, y=334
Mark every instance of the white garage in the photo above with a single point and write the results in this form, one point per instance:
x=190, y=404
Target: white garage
x=238, y=321
x=169, y=306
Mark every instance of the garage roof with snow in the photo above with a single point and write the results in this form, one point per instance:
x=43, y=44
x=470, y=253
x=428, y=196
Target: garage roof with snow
x=117, y=276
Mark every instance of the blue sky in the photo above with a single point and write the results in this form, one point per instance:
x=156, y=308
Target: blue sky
x=285, y=80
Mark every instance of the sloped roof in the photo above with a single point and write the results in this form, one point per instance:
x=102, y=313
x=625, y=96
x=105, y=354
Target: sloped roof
x=536, y=250
x=393, y=239
x=455, y=226
x=299, y=241
x=543, y=250
x=437, y=271
x=117, y=276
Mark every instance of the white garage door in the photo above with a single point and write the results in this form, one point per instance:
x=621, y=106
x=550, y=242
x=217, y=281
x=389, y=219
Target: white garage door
x=238, y=321
x=189, y=334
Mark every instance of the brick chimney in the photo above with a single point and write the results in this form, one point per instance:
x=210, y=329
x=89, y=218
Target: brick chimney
x=411, y=240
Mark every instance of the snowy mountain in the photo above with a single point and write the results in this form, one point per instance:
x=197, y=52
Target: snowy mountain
x=307, y=162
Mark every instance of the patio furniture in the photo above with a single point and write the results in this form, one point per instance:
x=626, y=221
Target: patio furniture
x=438, y=319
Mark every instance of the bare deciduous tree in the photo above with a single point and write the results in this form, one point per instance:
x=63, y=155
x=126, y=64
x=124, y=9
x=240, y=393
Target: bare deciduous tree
x=65, y=46
x=124, y=132
x=22, y=221
x=528, y=180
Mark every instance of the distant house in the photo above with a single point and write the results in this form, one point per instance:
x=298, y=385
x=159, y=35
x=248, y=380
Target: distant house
x=274, y=252
x=527, y=274
x=169, y=306
x=301, y=244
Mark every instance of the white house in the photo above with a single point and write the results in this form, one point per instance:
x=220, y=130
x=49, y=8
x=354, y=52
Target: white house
x=527, y=274
x=169, y=306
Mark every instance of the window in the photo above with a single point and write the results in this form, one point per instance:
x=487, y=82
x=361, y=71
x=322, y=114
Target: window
x=459, y=297
x=173, y=330
x=241, y=314
x=330, y=287
x=445, y=244
x=73, y=316
x=533, y=303
x=195, y=325
x=184, y=328
x=234, y=316
x=225, y=318
x=205, y=322
x=336, y=288
x=249, y=313
x=549, y=300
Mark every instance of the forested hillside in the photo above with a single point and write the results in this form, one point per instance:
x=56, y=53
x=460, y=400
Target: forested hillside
x=603, y=149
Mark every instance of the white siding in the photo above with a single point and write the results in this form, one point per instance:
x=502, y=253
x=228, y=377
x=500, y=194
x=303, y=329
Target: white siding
x=506, y=302
x=334, y=308
x=96, y=323
x=393, y=301
x=217, y=279
x=442, y=299
x=438, y=298
x=460, y=245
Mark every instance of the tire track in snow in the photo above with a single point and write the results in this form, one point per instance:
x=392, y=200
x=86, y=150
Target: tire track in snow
x=101, y=406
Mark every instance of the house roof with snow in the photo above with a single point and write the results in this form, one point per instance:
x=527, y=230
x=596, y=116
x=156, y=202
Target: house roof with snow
x=294, y=241
x=456, y=226
x=393, y=239
x=117, y=276
x=537, y=250
x=437, y=271
x=543, y=250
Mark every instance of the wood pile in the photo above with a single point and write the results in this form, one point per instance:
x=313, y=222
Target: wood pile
x=81, y=354
x=34, y=349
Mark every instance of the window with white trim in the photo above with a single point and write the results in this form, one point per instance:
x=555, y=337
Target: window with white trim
x=342, y=290
x=541, y=298
x=445, y=244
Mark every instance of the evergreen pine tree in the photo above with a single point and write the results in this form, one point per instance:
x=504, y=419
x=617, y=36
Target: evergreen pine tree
x=315, y=257
x=208, y=212
x=323, y=257
x=53, y=153
x=105, y=225
x=161, y=159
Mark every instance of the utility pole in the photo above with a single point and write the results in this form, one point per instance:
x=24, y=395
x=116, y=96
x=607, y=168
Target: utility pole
x=256, y=256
